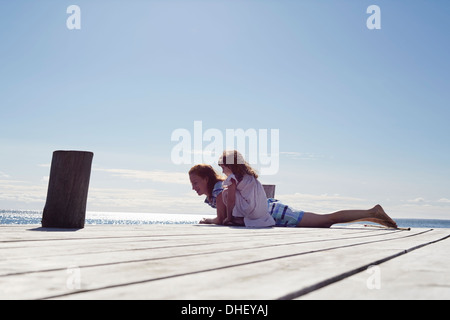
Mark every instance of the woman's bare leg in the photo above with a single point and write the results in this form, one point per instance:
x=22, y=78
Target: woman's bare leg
x=376, y=214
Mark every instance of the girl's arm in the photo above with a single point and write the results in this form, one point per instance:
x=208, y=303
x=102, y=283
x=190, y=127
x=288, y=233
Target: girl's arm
x=221, y=210
x=231, y=200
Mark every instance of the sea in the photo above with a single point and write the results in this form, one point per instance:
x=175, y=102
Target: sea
x=20, y=217
x=97, y=218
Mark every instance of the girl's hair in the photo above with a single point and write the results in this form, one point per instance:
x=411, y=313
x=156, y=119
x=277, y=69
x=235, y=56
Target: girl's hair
x=234, y=160
x=206, y=171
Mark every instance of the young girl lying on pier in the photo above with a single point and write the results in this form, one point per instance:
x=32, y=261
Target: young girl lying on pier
x=240, y=200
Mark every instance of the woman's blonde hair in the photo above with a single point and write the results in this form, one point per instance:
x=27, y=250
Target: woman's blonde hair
x=234, y=160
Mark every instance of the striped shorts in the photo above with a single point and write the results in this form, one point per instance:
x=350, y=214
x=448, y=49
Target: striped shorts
x=283, y=215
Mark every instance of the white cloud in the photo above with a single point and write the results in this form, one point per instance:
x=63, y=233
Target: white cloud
x=144, y=200
x=417, y=200
x=24, y=195
x=22, y=192
x=4, y=175
x=32, y=195
x=155, y=176
x=419, y=207
x=177, y=198
x=45, y=180
x=323, y=203
x=424, y=202
x=301, y=155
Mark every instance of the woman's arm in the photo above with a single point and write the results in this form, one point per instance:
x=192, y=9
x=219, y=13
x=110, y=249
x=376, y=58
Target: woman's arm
x=221, y=211
x=231, y=200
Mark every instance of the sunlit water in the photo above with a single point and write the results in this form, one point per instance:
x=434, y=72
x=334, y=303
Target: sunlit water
x=96, y=218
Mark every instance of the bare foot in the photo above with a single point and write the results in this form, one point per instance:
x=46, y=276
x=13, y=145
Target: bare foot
x=382, y=218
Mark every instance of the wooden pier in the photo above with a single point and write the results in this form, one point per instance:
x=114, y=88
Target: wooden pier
x=212, y=262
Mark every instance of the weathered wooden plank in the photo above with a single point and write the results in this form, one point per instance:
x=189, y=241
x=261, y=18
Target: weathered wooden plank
x=161, y=257
x=264, y=279
x=420, y=274
x=179, y=261
x=103, y=251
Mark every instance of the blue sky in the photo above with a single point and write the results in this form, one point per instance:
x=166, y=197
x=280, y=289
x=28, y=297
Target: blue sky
x=362, y=114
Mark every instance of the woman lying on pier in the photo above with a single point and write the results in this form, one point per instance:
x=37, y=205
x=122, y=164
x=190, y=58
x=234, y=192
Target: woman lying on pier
x=240, y=200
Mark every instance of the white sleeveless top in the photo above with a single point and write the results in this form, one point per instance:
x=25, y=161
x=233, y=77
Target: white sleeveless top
x=251, y=202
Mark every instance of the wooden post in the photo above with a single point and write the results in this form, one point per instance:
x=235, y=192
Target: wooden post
x=270, y=190
x=68, y=190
